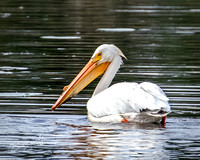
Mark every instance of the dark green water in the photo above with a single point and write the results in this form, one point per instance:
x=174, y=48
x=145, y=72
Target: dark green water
x=44, y=44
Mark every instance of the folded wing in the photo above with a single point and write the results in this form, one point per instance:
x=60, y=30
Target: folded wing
x=123, y=98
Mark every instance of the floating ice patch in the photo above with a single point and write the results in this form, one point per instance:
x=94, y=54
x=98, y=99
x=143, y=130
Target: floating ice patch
x=137, y=11
x=187, y=30
x=154, y=10
x=60, y=37
x=157, y=7
x=194, y=10
x=5, y=72
x=13, y=53
x=57, y=78
x=9, y=68
x=116, y=29
x=61, y=49
x=5, y=15
x=145, y=29
x=18, y=94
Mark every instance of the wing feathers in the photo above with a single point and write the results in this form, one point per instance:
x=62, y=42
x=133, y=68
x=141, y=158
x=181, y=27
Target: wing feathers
x=154, y=90
x=126, y=97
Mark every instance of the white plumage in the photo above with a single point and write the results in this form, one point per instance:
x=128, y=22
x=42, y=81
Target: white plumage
x=122, y=102
x=143, y=103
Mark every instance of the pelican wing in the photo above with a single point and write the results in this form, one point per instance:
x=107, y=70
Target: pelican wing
x=123, y=98
x=154, y=90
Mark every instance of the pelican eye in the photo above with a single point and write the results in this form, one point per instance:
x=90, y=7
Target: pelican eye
x=98, y=57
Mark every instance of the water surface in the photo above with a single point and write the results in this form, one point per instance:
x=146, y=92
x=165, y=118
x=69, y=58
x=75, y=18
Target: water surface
x=44, y=45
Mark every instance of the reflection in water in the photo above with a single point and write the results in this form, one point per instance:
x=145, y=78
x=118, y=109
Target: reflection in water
x=125, y=141
x=117, y=141
x=65, y=136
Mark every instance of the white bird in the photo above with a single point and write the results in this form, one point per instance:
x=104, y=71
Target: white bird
x=122, y=102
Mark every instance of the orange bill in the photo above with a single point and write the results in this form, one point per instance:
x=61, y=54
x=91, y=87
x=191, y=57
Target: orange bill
x=90, y=72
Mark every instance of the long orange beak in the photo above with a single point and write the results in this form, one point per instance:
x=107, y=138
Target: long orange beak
x=90, y=72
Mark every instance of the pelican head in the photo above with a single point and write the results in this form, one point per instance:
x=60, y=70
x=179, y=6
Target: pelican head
x=97, y=65
x=107, y=52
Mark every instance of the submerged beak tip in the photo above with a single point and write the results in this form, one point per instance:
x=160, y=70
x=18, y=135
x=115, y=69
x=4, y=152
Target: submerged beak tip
x=53, y=108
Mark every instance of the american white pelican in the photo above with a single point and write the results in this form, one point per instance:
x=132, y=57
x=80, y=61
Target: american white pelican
x=122, y=102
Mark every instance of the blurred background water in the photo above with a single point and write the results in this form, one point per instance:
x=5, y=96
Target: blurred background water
x=44, y=44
